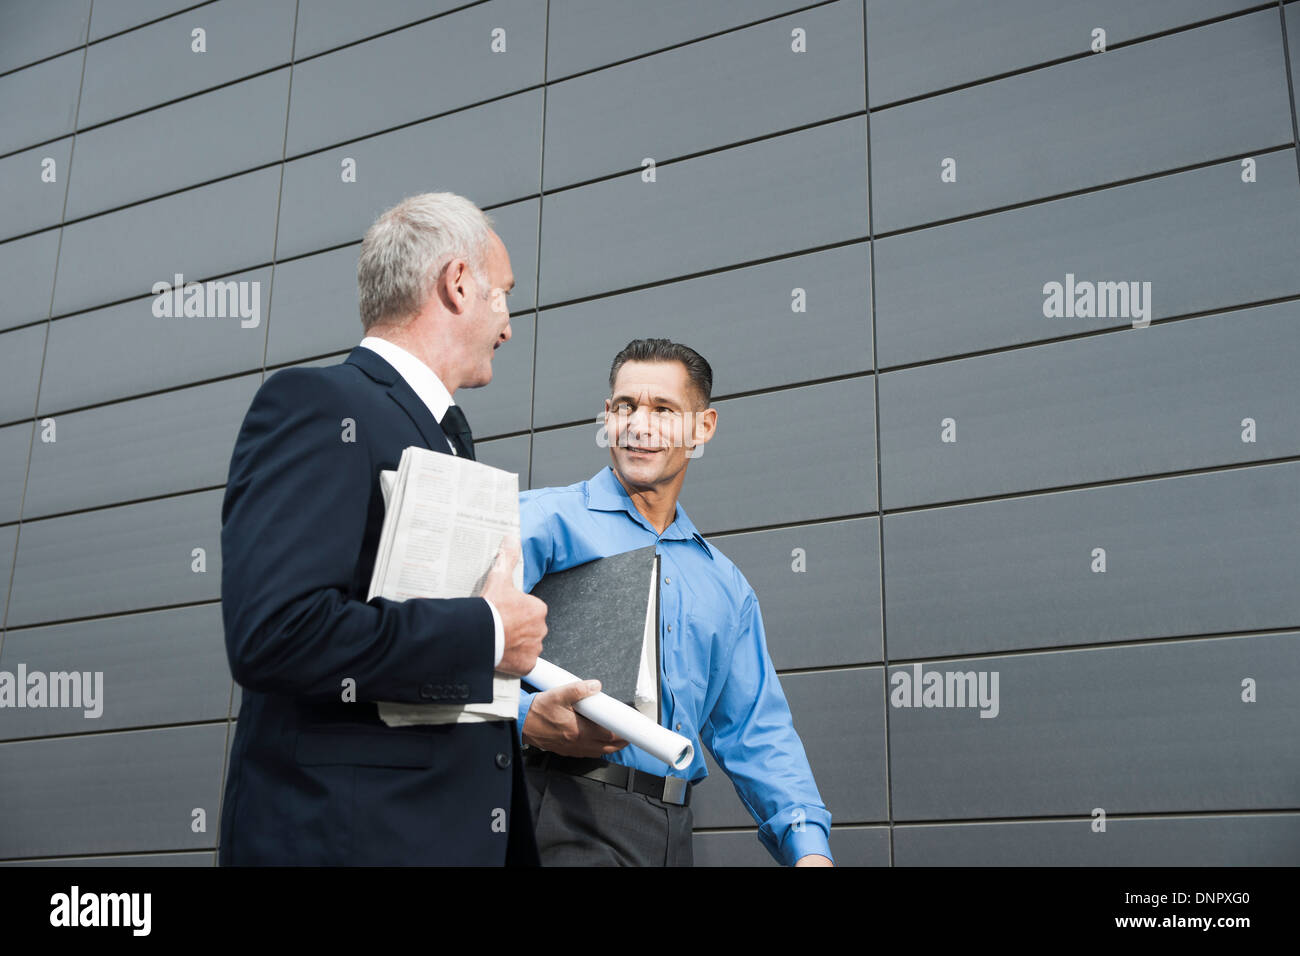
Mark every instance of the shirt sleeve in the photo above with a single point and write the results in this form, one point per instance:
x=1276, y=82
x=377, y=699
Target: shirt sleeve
x=751, y=735
x=500, y=632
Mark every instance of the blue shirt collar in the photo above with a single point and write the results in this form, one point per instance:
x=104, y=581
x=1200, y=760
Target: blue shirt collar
x=606, y=493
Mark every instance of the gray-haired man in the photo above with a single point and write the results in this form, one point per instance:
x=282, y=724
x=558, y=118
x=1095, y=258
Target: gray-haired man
x=315, y=777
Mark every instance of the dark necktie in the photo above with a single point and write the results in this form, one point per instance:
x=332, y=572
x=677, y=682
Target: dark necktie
x=457, y=429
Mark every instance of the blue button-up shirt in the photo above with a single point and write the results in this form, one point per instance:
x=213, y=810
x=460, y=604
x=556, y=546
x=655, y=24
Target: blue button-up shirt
x=717, y=683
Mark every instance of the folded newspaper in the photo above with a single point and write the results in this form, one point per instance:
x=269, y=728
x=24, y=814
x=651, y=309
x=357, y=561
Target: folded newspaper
x=444, y=520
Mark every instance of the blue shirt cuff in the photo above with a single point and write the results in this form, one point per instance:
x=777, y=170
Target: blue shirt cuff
x=800, y=843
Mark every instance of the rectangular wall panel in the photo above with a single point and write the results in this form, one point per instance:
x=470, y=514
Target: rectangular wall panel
x=113, y=353
x=1139, y=729
x=325, y=24
x=979, y=284
x=394, y=79
x=201, y=233
x=32, y=30
x=777, y=196
x=730, y=88
x=777, y=323
x=963, y=42
x=205, y=137
x=110, y=18
x=317, y=310
x=112, y=792
x=15, y=442
x=1205, y=94
x=157, y=668
x=174, y=442
x=30, y=198
x=1197, y=554
x=21, y=352
x=118, y=559
x=39, y=102
x=818, y=587
x=27, y=276
x=160, y=62
x=590, y=33
x=1119, y=405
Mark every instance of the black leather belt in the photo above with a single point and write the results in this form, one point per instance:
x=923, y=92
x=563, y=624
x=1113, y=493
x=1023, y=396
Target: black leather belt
x=673, y=790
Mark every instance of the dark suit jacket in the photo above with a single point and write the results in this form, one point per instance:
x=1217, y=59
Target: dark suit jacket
x=315, y=780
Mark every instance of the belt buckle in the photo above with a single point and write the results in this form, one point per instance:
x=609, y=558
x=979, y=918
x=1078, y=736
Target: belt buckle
x=674, y=788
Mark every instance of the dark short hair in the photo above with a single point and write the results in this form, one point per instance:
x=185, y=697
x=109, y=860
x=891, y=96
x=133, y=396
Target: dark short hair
x=698, y=371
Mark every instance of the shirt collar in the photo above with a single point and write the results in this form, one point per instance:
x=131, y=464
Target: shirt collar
x=422, y=379
x=606, y=493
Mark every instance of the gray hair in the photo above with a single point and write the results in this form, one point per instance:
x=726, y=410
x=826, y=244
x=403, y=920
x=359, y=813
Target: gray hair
x=406, y=249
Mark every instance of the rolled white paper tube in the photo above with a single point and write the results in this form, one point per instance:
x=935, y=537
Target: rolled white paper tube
x=618, y=718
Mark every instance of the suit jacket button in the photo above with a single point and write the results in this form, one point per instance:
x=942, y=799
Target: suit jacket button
x=503, y=761
x=426, y=691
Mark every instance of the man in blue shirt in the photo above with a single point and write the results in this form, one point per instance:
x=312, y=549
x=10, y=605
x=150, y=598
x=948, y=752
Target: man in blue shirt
x=596, y=800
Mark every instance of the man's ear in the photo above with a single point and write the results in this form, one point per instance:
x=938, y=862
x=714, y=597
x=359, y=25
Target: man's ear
x=456, y=286
x=704, y=425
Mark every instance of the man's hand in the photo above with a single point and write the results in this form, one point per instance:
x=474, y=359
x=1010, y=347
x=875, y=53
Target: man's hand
x=523, y=617
x=813, y=859
x=554, y=725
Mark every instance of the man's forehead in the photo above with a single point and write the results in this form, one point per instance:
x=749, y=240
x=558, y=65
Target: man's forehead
x=648, y=392
x=502, y=257
x=638, y=377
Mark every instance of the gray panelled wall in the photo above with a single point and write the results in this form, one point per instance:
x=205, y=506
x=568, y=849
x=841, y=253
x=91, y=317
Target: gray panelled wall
x=857, y=209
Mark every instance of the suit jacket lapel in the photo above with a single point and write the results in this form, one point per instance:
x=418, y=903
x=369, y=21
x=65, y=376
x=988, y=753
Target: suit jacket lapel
x=400, y=392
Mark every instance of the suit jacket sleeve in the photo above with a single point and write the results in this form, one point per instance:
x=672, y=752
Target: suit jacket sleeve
x=538, y=547
x=298, y=503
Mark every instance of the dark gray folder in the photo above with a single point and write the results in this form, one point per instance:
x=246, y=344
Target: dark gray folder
x=596, y=619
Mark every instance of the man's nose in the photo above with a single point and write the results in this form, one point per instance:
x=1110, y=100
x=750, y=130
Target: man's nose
x=506, y=333
x=640, y=419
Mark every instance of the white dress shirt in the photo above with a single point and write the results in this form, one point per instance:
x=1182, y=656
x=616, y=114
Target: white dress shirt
x=426, y=384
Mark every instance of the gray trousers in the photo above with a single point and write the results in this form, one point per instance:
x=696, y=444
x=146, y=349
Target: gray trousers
x=582, y=822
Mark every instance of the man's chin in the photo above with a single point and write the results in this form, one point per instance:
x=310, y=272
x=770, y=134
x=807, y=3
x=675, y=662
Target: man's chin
x=643, y=472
